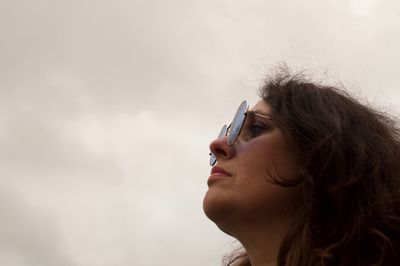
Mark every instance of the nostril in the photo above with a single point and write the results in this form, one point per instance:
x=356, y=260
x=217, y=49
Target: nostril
x=215, y=153
x=216, y=147
x=219, y=151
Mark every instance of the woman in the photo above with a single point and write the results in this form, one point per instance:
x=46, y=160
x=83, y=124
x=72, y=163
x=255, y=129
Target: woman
x=307, y=176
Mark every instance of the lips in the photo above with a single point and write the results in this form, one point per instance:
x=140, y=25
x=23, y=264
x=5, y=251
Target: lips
x=217, y=174
x=218, y=171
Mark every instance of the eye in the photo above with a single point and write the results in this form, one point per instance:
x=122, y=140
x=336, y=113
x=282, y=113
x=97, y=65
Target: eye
x=256, y=130
x=254, y=127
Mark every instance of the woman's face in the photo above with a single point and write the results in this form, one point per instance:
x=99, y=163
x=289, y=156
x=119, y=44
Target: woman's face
x=241, y=186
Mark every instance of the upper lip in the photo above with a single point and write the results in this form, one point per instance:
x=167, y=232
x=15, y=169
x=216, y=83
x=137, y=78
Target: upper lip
x=218, y=170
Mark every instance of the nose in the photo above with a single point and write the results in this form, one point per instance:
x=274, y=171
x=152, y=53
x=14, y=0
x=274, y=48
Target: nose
x=220, y=148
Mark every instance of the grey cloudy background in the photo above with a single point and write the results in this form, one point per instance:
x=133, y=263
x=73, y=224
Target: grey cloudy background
x=107, y=109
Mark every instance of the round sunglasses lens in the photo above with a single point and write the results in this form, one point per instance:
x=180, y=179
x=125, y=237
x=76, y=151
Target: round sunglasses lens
x=237, y=123
x=213, y=159
x=222, y=133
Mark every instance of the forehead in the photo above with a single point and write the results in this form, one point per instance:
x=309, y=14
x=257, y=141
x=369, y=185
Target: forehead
x=261, y=107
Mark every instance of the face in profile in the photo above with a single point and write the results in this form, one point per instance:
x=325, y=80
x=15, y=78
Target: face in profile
x=242, y=189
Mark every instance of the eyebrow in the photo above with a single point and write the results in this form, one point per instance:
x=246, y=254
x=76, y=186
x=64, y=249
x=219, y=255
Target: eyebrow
x=264, y=115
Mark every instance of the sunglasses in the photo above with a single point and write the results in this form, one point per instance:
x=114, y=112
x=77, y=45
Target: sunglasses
x=233, y=130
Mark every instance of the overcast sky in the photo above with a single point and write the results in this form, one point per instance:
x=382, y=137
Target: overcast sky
x=107, y=109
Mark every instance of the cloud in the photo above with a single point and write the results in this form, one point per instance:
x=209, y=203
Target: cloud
x=107, y=110
x=28, y=235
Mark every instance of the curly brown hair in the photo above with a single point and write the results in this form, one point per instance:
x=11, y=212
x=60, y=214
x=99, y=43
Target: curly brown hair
x=350, y=176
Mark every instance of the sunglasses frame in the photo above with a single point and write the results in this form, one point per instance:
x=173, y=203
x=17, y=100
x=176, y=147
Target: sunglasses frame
x=233, y=130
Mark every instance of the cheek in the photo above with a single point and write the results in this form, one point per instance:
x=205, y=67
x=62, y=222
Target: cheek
x=269, y=162
x=261, y=199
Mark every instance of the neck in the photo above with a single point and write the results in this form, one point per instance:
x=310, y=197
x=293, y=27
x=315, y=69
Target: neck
x=262, y=243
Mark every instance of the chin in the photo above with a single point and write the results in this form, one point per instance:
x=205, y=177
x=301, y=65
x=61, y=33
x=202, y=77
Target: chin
x=218, y=211
x=218, y=207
